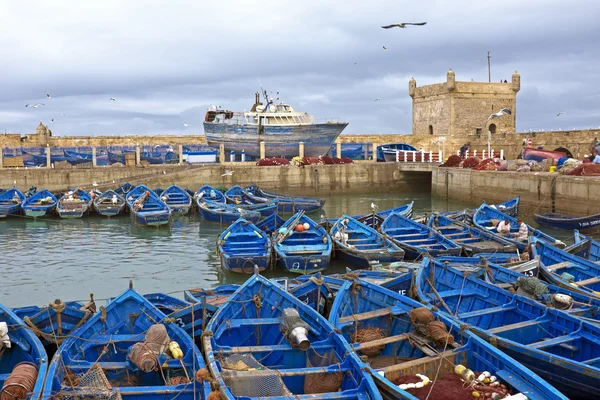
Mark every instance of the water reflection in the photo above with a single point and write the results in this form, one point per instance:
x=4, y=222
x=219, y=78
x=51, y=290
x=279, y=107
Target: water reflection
x=49, y=258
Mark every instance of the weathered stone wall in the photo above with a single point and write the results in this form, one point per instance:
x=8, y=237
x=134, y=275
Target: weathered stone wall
x=456, y=108
x=316, y=180
x=540, y=192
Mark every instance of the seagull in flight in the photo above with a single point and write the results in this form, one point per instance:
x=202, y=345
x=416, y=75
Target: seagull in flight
x=36, y=105
x=559, y=114
x=48, y=96
x=228, y=173
x=385, y=48
x=504, y=111
x=377, y=99
x=185, y=124
x=112, y=99
x=403, y=25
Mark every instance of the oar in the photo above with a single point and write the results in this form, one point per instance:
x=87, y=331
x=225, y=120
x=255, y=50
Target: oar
x=291, y=226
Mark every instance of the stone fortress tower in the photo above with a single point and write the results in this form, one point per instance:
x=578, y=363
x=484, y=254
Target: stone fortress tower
x=458, y=109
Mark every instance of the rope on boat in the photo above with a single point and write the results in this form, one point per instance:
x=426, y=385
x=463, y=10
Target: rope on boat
x=20, y=382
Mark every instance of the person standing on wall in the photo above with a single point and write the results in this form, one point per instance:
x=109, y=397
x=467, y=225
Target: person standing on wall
x=463, y=150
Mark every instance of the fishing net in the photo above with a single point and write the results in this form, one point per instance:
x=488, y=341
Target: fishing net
x=487, y=165
x=145, y=355
x=470, y=162
x=586, y=170
x=452, y=161
x=326, y=160
x=91, y=384
x=272, y=161
x=330, y=382
x=246, y=377
x=425, y=324
x=364, y=335
x=531, y=286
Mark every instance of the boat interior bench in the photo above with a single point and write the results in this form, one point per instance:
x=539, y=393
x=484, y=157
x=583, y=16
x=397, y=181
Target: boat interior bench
x=486, y=311
x=392, y=311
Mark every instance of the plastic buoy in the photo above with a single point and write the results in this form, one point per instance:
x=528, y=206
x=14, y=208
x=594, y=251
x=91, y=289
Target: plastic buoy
x=306, y=226
x=299, y=228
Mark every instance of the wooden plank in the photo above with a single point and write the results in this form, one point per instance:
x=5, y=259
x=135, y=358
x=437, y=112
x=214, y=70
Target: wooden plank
x=561, y=265
x=589, y=281
x=384, y=341
x=367, y=315
x=446, y=355
x=510, y=327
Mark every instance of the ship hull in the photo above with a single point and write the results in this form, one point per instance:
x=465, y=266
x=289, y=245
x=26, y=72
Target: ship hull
x=280, y=140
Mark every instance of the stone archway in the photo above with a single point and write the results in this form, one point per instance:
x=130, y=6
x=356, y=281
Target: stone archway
x=566, y=151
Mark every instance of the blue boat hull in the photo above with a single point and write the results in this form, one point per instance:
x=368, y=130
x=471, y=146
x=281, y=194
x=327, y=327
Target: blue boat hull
x=245, y=265
x=39, y=211
x=12, y=210
x=151, y=218
x=559, y=221
x=226, y=217
x=303, y=264
x=279, y=140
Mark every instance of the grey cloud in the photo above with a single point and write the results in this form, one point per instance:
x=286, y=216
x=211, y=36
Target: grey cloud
x=168, y=61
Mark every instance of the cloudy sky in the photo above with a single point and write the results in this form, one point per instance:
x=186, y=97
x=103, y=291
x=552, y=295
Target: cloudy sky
x=166, y=61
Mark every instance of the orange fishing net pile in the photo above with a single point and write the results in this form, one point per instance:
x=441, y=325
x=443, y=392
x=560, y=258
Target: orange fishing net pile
x=487, y=165
x=470, y=162
x=452, y=161
x=272, y=161
x=586, y=170
x=364, y=335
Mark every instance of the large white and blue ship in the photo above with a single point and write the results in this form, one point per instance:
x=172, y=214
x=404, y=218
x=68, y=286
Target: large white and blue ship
x=277, y=124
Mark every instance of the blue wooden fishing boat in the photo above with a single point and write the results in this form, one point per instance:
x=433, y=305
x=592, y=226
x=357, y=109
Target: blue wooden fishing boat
x=287, y=203
x=40, y=204
x=395, y=280
x=387, y=152
x=568, y=270
x=406, y=210
x=114, y=157
x=588, y=223
x=109, y=203
x=314, y=292
x=585, y=247
x=560, y=348
x=213, y=297
x=579, y=304
x=302, y=250
x=21, y=353
x=361, y=245
x=10, y=202
x=392, y=332
x=127, y=350
x=289, y=348
x=239, y=197
x=208, y=192
x=242, y=246
x=509, y=207
x=417, y=239
x=74, y=204
x=488, y=218
x=225, y=213
x=177, y=199
x=159, y=191
x=147, y=208
x=472, y=240
x=271, y=224
x=124, y=189
x=53, y=323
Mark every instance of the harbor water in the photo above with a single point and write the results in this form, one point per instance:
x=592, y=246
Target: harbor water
x=50, y=258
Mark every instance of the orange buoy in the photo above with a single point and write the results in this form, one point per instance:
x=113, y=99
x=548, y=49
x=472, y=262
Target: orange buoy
x=299, y=228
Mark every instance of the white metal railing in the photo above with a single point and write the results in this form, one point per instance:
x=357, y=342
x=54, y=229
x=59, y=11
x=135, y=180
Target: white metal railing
x=484, y=154
x=419, y=156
